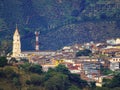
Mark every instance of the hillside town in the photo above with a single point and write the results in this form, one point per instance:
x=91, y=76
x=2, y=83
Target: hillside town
x=89, y=60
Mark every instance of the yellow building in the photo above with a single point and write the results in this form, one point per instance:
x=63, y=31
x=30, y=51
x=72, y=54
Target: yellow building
x=57, y=62
x=16, y=51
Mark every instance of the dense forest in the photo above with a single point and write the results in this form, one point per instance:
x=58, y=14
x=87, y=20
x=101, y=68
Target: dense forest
x=60, y=22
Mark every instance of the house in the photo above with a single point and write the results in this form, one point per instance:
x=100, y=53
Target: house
x=40, y=60
x=109, y=51
x=87, y=59
x=91, y=71
x=114, y=63
x=73, y=68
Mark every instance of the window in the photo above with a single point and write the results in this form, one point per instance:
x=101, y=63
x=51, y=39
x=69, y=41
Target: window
x=116, y=59
x=113, y=59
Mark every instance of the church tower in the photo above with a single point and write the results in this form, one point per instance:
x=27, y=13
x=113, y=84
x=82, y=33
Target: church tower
x=16, y=44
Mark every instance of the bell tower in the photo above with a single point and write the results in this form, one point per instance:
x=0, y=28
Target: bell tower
x=16, y=44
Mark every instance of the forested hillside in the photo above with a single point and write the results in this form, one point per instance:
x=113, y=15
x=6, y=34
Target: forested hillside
x=60, y=22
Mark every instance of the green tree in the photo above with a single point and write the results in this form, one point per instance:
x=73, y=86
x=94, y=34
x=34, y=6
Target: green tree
x=61, y=68
x=16, y=81
x=37, y=80
x=50, y=73
x=105, y=71
x=85, y=52
x=116, y=88
x=75, y=78
x=115, y=81
x=2, y=74
x=107, y=82
x=102, y=88
x=1, y=88
x=34, y=88
x=26, y=66
x=35, y=68
x=10, y=73
x=6, y=46
x=3, y=61
x=28, y=82
x=73, y=87
x=57, y=82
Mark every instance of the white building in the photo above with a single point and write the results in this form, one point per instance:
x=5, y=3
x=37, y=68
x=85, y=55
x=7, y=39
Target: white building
x=16, y=51
x=118, y=41
x=114, y=63
x=114, y=66
x=111, y=41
